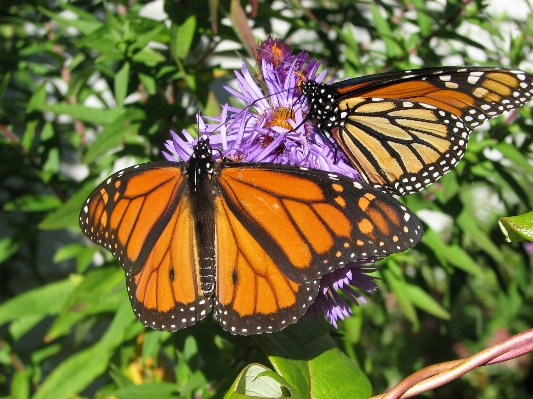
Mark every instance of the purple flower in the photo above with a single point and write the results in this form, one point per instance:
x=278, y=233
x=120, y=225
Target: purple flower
x=346, y=279
x=272, y=128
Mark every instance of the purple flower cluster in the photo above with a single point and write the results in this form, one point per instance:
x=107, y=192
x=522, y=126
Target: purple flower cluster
x=272, y=127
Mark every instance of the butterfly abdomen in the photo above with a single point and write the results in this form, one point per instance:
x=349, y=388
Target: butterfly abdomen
x=203, y=188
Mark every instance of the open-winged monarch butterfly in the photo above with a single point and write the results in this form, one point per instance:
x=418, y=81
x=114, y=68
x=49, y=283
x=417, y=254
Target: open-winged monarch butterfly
x=249, y=239
x=404, y=130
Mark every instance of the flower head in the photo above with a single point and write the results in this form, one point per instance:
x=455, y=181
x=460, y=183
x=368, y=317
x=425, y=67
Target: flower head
x=272, y=126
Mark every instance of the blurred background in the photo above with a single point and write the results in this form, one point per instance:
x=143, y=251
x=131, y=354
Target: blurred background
x=89, y=87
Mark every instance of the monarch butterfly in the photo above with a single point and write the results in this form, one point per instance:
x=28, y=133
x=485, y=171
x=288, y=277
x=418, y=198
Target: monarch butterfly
x=249, y=239
x=404, y=130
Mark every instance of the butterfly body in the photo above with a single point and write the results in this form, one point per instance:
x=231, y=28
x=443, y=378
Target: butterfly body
x=200, y=172
x=404, y=130
x=249, y=240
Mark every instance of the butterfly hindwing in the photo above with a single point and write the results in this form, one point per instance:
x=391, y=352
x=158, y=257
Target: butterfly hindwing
x=253, y=293
x=400, y=144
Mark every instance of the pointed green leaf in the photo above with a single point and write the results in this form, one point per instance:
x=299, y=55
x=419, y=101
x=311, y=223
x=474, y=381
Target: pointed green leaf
x=452, y=254
x=42, y=301
x=385, y=33
x=67, y=215
x=161, y=390
x=8, y=246
x=33, y=203
x=516, y=156
x=82, y=368
x=82, y=112
x=469, y=225
x=181, y=37
x=251, y=383
x=517, y=228
x=122, y=79
x=422, y=300
x=394, y=277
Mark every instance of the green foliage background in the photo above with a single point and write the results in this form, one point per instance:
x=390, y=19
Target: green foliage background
x=88, y=87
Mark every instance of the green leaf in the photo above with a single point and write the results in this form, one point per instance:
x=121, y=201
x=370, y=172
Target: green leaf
x=38, y=99
x=353, y=57
x=396, y=281
x=122, y=79
x=148, y=56
x=8, y=246
x=29, y=135
x=148, y=82
x=67, y=252
x=469, y=225
x=307, y=358
x=82, y=368
x=181, y=37
x=240, y=24
x=68, y=214
x=42, y=301
x=97, y=293
x=252, y=382
x=421, y=299
x=385, y=33
x=425, y=23
x=46, y=352
x=161, y=390
x=19, y=327
x=516, y=156
x=152, y=343
x=83, y=113
x=85, y=25
x=20, y=385
x=517, y=228
x=33, y=203
x=112, y=136
x=452, y=254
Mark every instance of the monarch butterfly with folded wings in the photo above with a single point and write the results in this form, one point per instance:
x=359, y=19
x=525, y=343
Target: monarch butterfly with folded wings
x=250, y=240
x=404, y=130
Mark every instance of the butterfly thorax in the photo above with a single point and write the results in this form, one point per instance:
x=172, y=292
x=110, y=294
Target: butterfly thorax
x=323, y=104
x=200, y=170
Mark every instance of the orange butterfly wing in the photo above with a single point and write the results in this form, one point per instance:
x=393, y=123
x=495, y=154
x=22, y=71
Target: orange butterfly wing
x=280, y=228
x=143, y=216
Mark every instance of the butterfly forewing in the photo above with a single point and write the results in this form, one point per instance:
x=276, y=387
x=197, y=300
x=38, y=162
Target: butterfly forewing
x=313, y=222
